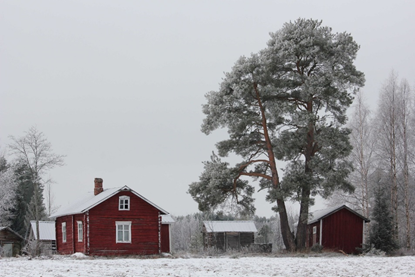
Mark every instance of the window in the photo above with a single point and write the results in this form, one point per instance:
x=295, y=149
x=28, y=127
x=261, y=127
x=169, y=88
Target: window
x=314, y=229
x=80, y=231
x=63, y=231
x=124, y=203
x=123, y=229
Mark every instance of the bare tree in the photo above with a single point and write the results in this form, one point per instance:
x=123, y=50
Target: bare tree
x=387, y=147
x=36, y=152
x=361, y=138
x=405, y=134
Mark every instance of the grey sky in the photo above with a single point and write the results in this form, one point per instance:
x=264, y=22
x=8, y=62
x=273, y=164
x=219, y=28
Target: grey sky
x=117, y=86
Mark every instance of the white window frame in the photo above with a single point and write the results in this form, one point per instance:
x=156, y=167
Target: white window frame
x=124, y=201
x=314, y=230
x=63, y=231
x=126, y=228
x=80, y=231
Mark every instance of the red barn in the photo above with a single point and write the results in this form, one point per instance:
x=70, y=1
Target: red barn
x=337, y=228
x=115, y=221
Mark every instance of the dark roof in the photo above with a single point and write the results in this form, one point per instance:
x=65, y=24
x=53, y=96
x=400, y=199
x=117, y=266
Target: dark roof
x=8, y=228
x=320, y=214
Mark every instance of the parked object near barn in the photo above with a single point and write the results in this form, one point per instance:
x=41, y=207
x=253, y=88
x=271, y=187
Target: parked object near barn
x=337, y=228
x=225, y=235
x=10, y=242
x=115, y=221
x=47, y=234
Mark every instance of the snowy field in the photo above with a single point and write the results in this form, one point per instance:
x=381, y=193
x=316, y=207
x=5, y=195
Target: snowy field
x=218, y=266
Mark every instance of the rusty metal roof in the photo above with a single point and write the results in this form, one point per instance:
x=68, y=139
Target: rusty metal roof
x=230, y=226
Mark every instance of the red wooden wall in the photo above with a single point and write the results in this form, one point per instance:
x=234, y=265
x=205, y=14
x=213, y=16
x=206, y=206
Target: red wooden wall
x=144, y=227
x=165, y=238
x=101, y=232
x=343, y=230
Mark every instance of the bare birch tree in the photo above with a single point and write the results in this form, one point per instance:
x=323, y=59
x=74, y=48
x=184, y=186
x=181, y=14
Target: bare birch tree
x=387, y=140
x=36, y=152
x=406, y=137
x=362, y=140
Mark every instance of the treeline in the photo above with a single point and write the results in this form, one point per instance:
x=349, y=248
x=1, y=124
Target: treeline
x=22, y=182
x=383, y=159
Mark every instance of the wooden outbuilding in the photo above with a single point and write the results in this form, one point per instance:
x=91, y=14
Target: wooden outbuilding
x=225, y=235
x=115, y=221
x=337, y=228
x=47, y=234
x=11, y=242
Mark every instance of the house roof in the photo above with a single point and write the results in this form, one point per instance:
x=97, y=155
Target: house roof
x=229, y=226
x=167, y=219
x=8, y=228
x=46, y=230
x=320, y=214
x=92, y=200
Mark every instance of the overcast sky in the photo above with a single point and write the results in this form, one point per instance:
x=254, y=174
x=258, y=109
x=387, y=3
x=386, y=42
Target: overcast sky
x=117, y=86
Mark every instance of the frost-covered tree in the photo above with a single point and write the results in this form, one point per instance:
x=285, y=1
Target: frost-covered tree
x=35, y=151
x=8, y=190
x=363, y=140
x=287, y=102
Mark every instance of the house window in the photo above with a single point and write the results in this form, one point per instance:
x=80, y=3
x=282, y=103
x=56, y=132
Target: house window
x=124, y=203
x=314, y=230
x=123, y=229
x=80, y=231
x=63, y=231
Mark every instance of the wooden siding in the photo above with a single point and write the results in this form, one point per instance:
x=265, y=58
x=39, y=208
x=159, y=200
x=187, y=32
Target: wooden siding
x=313, y=238
x=10, y=239
x=165, y=238
x=230, y=240
x=144, y=227
x=68, y=246
x=343, y=230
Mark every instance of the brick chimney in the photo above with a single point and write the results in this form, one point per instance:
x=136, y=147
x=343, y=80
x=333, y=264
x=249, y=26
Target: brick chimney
x=98, y=186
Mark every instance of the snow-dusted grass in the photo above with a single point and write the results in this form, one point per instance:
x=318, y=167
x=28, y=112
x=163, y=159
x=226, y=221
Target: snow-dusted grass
x=80, y=265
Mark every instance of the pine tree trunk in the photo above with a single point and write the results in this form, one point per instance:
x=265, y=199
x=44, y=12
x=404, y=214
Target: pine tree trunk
x=287, y=236
x=301, y=236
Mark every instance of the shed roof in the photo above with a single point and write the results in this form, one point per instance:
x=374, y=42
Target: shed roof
x=46, y=230
x=92, y=200
x=320, y=214
x=167, y=219
x=10, y=230
x=229, y=226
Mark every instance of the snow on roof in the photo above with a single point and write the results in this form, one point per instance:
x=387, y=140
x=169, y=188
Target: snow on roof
x=319, y=214
x=229, y=226
x=46, y=230
x=93, y=200
x=167, y=219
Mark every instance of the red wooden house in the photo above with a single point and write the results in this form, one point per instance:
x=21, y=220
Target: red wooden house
x=337, y=228
x=116, y=221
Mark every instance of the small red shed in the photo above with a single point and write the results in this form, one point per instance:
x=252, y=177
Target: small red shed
x=115, y=221
x=337, y=228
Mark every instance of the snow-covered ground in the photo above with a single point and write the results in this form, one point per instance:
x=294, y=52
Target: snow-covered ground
x=218, y=266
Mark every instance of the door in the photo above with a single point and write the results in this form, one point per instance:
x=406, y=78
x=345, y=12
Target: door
x=8, y=250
